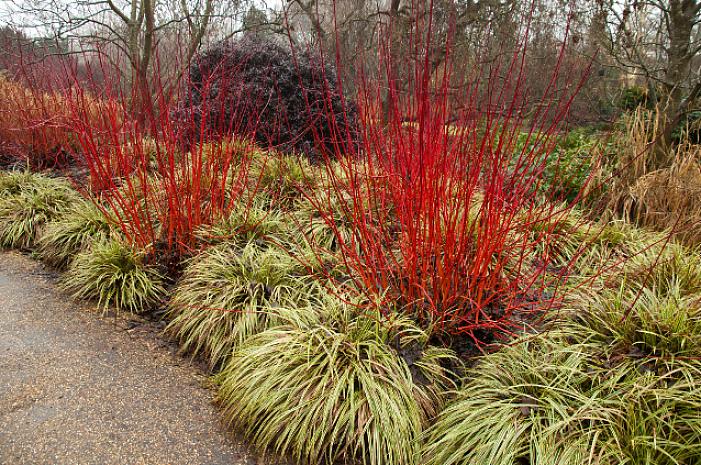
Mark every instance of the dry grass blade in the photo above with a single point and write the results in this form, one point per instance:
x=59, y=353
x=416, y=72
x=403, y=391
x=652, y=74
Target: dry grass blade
x=670, y=198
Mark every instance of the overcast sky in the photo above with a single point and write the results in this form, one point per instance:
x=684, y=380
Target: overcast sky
x=41, y=23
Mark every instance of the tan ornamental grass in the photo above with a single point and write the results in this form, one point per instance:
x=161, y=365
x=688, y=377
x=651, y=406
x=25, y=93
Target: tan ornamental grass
x=670, y=198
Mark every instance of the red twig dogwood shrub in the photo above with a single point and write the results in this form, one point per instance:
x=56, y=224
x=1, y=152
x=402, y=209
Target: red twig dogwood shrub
x=446, y=211
x=33, y=126
x=34, y=117
x=158, y=185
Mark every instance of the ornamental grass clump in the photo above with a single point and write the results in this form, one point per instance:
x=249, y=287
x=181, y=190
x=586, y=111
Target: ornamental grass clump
x=566, y=231
x=322, y=220
x=13, y=182
x=114, y=275
x=647, y=343
x=330, y=386
x=254, y=219
x=73, y=232
x=613, y=250
x=531, y=403
x=284, y=177
x=550, y=401
x=27, y=204
x=613, y=378
x=657, y=188
x=230, y=292
x=662, y=267
x=655, y=323
x=658, y=419
x=627, y=240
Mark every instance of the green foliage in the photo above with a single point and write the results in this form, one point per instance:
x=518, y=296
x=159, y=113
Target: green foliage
x=652, y=310
x=528, y=403
x=284, y=177
x=335, y=386
x=625, y=239
x=251, y=220
x=633, y=97
x=73, y=232
x=570, y=163
x=114, y=275
x=229, y=293
x=27, y=203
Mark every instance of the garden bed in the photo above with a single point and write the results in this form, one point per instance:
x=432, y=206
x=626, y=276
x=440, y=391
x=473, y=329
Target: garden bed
x=304, y=368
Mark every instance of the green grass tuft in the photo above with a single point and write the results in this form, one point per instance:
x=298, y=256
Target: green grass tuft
x=649, y=323
x=332, y=386
x=524, y=404
x=226, y=294
x=82, y=225
x=114, y=275
x=27, y=203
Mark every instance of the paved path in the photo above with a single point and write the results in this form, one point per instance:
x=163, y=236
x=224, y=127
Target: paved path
x=77, y=389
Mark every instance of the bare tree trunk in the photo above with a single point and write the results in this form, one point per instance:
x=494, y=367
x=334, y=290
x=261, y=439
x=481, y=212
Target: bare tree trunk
x=682, y=18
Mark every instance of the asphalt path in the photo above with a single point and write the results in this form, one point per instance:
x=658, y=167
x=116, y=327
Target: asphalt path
x=77, y=387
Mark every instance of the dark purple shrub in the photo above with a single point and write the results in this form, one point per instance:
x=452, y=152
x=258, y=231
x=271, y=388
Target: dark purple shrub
x=284, y=99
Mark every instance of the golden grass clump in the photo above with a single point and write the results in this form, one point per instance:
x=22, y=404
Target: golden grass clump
x=230, y=292
x=336, y=387
x=658, y=188
x=27, y=204
x=670, y=198
x=114, y=274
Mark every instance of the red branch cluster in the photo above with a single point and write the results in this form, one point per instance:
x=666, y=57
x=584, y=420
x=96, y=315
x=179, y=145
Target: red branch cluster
x=445, y=207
